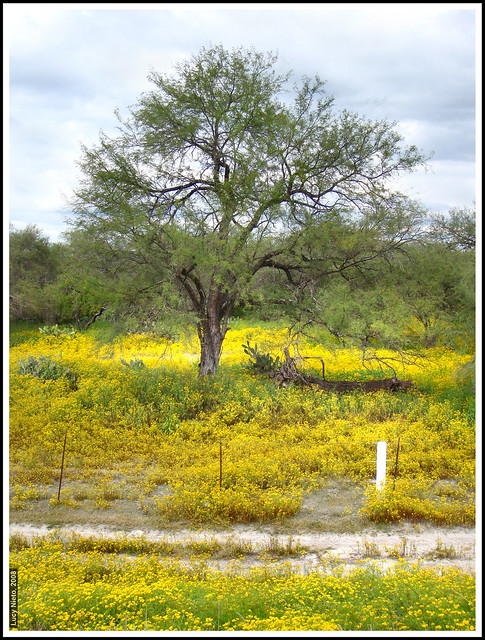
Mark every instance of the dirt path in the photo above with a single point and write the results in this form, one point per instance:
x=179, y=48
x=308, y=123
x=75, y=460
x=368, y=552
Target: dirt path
x=432, y=545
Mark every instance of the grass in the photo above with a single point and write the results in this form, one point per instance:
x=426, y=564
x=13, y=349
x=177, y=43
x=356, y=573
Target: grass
x=442, y=552
x=209, y=547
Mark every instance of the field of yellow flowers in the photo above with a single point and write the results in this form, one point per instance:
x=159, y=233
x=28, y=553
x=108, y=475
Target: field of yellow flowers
x=67, y=589
x=130, y=420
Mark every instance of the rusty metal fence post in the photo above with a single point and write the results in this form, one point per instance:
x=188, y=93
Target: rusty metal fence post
x=396, y=462
x=220, y=464
x=62, y=467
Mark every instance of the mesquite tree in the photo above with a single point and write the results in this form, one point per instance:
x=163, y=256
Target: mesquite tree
x=222, y=171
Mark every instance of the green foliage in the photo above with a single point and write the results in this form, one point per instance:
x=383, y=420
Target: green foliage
x=197, y=237
x=261, y=362
x=422, y=298
x=85, y=289
x=34, y=265
x=437, y=288
x=45, y=368
x=461, y=393
x=56, y=330
x=457, y=230
x=135, y=364
x=21, y=332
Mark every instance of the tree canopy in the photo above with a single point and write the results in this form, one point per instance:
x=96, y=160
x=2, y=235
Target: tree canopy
x=225, y=171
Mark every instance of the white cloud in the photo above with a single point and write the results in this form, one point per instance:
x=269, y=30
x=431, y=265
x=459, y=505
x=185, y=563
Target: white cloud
x=72, y=65
x=443, y=185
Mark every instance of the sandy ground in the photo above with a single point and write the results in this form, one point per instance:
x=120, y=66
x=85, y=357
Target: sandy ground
x=326, y=526
x=408, y=541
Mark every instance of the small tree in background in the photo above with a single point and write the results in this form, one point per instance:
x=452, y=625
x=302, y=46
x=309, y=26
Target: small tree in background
x=457, y=230
x=34, y=263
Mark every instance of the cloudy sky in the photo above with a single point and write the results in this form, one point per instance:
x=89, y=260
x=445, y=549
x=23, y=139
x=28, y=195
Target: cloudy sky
x=69, y=66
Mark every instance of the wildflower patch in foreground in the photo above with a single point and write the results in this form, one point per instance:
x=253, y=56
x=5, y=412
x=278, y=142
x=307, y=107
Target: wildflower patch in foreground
x=63, y=590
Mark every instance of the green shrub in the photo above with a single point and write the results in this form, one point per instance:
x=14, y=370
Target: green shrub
x=45, y=368
x=134, y=364
x=56, y=330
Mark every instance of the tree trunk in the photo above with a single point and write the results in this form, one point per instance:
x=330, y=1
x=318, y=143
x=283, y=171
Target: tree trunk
x=212, y=330
x=210, y=349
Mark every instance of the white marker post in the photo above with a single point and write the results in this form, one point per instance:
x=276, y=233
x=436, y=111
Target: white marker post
x=381, y=465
